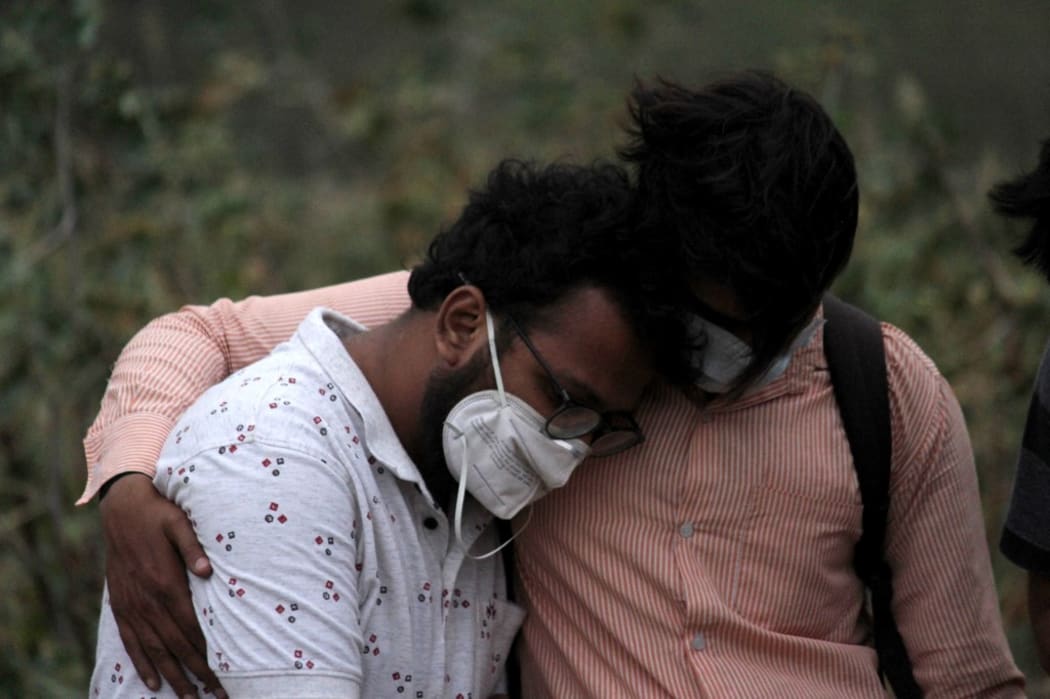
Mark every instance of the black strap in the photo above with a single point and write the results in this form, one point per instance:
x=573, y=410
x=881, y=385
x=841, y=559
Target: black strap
x=857, y=363
x=512, y=667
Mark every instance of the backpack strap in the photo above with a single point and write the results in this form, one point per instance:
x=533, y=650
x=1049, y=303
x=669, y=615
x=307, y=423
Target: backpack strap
x=856, y=358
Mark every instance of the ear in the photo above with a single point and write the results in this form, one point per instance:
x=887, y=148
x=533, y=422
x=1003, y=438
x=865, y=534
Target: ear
x=460, y=325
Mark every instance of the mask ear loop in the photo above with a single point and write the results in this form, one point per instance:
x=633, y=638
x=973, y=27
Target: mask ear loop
x=490, y=328
x=493, y=552
x=461, y=495
x=461, y=490
x=457, y=520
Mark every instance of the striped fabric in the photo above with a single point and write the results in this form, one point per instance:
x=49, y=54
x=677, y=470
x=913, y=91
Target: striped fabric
x=712, y=561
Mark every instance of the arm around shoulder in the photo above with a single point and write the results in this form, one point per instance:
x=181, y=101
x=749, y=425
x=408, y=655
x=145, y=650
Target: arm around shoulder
x=176, y=357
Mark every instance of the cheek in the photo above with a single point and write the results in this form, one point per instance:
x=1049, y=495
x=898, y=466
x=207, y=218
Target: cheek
x=539, y=399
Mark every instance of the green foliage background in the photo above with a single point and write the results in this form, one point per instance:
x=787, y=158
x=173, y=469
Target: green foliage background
x=159, y=153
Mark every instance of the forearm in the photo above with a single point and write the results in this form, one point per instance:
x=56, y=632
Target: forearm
x=164, y=367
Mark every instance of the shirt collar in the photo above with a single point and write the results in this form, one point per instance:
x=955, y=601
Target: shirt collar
x=805, y=360
x=322, y=334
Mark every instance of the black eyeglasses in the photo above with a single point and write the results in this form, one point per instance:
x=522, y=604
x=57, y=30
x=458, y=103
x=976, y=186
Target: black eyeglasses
x=611, y=432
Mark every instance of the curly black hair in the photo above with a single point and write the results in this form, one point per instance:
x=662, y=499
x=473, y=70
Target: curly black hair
x=1027, y=197
x=533, y=234
x=751, y=186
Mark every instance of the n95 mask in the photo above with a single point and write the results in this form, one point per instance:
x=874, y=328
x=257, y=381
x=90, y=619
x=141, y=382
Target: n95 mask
x=498, y=441
x=724, y=356
x=496, y=449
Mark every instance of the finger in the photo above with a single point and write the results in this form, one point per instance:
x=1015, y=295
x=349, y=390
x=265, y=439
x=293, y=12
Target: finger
x=165, y=654
x=150, y=641
x=143, y=665
x=155, y=646
x=180, y=609
x=177, y=645
x=161, y=644
x=195, y=655
x=180, y=532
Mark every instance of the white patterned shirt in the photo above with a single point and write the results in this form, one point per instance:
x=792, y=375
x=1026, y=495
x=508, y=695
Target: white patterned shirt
x=335, y=572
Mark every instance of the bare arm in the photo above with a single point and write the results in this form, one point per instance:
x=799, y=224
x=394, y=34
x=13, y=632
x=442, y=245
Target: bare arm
x=161, y=371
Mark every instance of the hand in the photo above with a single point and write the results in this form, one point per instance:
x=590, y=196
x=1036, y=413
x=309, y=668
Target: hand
x=149, y=542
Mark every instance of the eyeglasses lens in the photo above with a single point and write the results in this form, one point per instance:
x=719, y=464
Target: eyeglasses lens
x=614, y=442
x=573, y=421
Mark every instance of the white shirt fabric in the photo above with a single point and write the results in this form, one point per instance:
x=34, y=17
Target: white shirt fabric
x=335, y=573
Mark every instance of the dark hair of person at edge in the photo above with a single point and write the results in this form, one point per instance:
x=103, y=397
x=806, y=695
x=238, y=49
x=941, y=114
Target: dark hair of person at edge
x=754, y=189
x=1028, y=197
x=534, y=234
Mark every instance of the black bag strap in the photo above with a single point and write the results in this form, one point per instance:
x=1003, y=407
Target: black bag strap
x=512, y=666
x=857, y=364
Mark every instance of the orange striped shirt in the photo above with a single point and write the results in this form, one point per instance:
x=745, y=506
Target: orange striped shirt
x=712, y=561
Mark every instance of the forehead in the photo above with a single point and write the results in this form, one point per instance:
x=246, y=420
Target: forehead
x=591, y=347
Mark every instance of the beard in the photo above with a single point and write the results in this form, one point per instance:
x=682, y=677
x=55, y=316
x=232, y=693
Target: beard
x=444, y=389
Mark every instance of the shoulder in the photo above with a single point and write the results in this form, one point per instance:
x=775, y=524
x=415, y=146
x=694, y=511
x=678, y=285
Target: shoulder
x=925, y=413
x=911, y=373
x=240, y=406
x=371, y=301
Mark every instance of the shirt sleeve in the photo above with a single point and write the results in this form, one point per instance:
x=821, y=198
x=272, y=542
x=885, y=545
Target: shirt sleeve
x=1026, y=535
x=176, y=357
x=945, y=600
x=269, y=629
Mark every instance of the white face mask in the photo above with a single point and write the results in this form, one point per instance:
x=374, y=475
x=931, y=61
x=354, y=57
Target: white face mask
x=724, y=356
x=498, y=441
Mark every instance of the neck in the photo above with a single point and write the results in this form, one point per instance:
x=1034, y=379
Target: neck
x=396, y=359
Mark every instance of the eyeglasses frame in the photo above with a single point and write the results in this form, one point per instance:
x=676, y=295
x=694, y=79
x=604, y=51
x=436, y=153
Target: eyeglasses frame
x=603, y=426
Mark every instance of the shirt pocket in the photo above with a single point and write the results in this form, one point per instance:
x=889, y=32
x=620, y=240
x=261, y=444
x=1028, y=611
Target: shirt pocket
x=795, y=572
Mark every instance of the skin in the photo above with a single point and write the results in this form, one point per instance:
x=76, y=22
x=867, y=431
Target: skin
x=150, y=543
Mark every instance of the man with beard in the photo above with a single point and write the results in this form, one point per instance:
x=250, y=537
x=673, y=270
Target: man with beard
x=322, y=480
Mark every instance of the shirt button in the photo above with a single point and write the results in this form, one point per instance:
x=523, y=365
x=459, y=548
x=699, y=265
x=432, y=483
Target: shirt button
x=698, y=642
x=430, y=523
x=686, y=530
